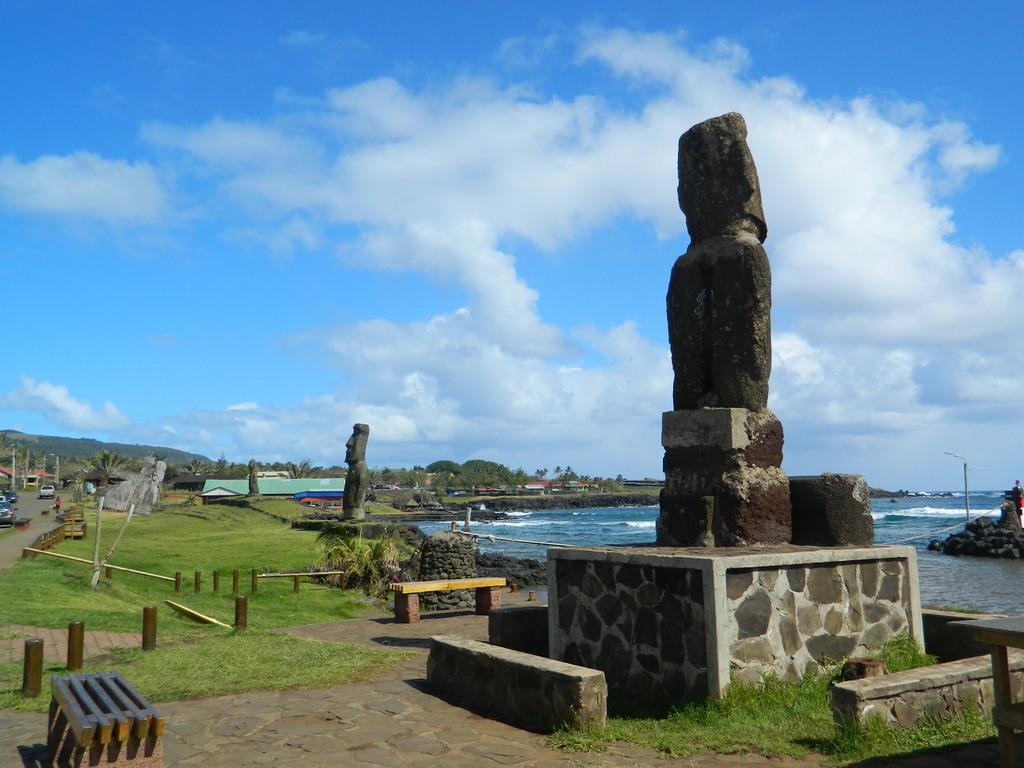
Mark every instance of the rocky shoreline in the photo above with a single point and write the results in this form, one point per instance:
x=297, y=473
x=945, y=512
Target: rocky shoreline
x=983, y=537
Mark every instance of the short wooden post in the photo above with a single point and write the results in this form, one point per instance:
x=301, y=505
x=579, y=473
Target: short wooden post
x=234, y=582
x=254, y=579
x=177, y=581
x=109, y=573
x=216, y=582
x=32, y=673
x=532, y=598
x=199, y=581
x=76, y=645
x=242, y=612
x=295, y=589
x=149, y=628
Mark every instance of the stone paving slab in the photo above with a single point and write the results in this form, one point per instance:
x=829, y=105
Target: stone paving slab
x=55, y=642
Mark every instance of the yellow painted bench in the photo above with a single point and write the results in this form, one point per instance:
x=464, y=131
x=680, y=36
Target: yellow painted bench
x=407, y=600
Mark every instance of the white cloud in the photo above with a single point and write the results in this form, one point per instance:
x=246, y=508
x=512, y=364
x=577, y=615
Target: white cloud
x=86, y=185
x=56, y=403
x=885, y=326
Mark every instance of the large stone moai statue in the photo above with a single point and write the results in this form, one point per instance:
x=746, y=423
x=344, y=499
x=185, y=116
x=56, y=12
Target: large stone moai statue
x=358, y=476
x=723, y=447
x=254, y=483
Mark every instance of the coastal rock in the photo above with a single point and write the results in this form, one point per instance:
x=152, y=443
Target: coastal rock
x=982, y=538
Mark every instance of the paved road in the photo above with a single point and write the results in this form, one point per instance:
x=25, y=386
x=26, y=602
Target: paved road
x=13, y=541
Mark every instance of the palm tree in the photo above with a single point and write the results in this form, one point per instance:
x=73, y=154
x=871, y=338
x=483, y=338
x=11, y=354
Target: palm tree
x=302, y=469
x=368, y=564
x=107, y=463
x=197, y=467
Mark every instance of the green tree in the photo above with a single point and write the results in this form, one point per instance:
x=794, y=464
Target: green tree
x=444, y=466
x=107, y=463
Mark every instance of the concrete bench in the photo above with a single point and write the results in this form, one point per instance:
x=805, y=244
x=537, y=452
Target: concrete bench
x=527, y=690
x=100, y=719
x=407, y=600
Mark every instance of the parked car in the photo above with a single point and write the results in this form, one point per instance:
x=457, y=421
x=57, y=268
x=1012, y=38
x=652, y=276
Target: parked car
x=47, y=492
x=11, y=496
x=6, y=514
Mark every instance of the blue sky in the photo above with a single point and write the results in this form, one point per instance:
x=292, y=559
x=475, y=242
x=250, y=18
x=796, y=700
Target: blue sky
x=239, y=228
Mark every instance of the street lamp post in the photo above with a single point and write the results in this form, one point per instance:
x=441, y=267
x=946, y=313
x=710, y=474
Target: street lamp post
x=56, y=476
x=967, y=494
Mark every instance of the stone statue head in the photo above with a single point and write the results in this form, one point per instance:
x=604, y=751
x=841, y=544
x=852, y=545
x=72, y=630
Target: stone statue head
x=718, y=187
x=355, y=448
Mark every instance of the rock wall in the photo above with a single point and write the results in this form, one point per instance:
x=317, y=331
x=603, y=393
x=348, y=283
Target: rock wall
x=447, y=555
x=666, y=625
x=941, y=691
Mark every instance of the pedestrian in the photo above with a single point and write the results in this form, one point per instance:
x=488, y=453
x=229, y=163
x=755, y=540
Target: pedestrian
x=1017, y=497
x=56, y=505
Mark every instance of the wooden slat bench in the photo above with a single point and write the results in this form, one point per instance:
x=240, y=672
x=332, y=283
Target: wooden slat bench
x=100, y=719
x=407, y=595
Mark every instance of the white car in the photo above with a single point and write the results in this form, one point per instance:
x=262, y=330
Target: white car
x=47, y=492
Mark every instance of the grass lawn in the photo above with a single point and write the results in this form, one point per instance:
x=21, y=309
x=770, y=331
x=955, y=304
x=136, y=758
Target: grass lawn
x=782, y=718
x=195, y=659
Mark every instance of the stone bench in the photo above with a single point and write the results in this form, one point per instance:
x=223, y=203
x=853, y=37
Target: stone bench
x=407, y=600
x=101, y=719
x=531, y=691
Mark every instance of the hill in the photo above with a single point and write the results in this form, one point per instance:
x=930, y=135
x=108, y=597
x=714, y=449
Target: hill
x=81, y=448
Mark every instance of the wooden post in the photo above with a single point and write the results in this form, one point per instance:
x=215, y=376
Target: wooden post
x=32, y=674
x=254, y=578
x=242, y=611
x=109, y=573
x=295, y=589
x=76, y=645
x=199, y=581
x=234, y=582
x=149, y=628
x=177, y=581
x=216, y=582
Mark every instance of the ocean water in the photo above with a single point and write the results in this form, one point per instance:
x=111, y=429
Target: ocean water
x=982, y=584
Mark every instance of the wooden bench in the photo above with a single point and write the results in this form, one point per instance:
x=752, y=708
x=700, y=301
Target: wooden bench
x=100, y=719
x=407, y=595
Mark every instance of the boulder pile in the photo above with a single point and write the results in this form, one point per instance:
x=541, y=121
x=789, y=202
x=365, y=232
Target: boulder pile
x=983, y=538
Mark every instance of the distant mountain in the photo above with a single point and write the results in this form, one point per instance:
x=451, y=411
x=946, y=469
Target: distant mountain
x=81, y=448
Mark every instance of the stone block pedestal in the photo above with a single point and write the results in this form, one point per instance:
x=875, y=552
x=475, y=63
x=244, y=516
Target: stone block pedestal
x=735, y=456
x=667, y=625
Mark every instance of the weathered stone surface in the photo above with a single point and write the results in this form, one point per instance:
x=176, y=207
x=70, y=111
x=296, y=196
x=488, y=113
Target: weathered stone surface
x=719, y=315
x=751, y=491
x=831, y=510
x=446, y=555
x=753, y=615
x=358, y=478
x=515, y=686
x=718, y=186
x=520, y=629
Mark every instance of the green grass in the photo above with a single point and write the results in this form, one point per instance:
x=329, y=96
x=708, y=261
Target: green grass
x=783, y=718
x=231, y=662
x=194, y=659
x=50, y=592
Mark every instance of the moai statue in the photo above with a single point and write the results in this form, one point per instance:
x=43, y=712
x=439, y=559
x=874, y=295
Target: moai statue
x=358, y=476
x=721, y=440
x=254, y=485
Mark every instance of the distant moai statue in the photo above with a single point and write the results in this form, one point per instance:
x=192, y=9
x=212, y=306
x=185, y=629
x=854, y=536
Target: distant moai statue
x=254, y=485
x=721, y=440
x=358, y=476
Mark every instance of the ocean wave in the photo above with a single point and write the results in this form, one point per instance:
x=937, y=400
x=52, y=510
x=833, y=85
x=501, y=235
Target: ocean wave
x=895, y=514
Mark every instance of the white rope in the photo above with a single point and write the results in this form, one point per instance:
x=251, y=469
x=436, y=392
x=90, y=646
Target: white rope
x=923, y=535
